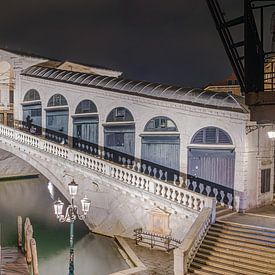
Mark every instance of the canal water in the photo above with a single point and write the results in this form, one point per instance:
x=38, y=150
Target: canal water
x=33, y=198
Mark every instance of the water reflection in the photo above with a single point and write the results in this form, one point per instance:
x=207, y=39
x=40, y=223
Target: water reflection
x=94, y=254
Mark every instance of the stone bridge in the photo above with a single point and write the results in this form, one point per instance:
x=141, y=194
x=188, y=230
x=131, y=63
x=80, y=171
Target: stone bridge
x=123, y=198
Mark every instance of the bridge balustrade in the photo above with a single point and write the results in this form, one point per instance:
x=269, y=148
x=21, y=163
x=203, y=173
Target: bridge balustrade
x=129, y=175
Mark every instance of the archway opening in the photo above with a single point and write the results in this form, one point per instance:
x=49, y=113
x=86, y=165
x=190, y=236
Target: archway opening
x=85, y=127
x=160, y=146
x=57, y=117
x=119, y=134
x=32, y=111
x=211, y=163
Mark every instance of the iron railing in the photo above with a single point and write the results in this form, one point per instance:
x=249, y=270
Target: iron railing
x=155, y=240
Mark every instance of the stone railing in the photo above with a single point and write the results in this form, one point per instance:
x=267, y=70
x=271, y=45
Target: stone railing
x=185, y=253
x=130, y=175
x=224, y=195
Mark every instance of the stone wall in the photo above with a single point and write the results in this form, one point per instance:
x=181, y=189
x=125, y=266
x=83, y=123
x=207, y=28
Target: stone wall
x=10, y=165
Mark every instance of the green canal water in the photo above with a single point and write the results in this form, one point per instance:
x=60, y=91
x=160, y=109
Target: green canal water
x=33, y=198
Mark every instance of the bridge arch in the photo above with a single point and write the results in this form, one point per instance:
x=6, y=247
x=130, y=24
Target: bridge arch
x=39, y=165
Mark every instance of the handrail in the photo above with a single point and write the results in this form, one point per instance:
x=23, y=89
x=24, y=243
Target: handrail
x=185, y=253
x=153, y=239
x=126, y=175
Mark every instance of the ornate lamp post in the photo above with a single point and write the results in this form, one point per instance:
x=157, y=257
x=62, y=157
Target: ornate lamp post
x=70, y=216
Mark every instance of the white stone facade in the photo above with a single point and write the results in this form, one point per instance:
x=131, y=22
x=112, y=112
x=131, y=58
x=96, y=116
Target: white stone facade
x=253, y=151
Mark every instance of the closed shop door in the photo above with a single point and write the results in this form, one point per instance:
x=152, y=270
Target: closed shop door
x=120, y=139
x=86, y=131
x=215, y=166
x=57, y=121
x=163, y=151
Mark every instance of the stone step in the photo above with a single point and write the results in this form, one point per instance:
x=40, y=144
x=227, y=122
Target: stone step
x=259, y=245
x=265, y=259
x=246, y=226
x=251, y=231
x=242, y=234
x=223, y=212
x=193, y=270
x=234, y=246
x=226, y=265
x=212, y=269
x=238, y=262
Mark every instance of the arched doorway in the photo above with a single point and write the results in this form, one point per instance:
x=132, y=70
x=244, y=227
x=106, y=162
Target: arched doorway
x=160, y=146
x=211, y=163
x=119, y=134
x=32, y=111
x=85, y=127
x=57, y=114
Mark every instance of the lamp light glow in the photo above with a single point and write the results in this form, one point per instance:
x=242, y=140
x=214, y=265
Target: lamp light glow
x=58, y=207
x=85, y=202
x=73, y=188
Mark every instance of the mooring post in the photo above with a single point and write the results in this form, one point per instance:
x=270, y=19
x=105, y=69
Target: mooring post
x=19, y=230
x=28, y=241
x=34, y=256
x=27, y=223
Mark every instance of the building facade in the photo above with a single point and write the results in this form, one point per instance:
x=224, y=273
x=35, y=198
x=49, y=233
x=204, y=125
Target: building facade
x=204, y=137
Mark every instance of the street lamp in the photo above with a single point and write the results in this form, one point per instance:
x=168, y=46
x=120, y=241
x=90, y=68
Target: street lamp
x=70, y=216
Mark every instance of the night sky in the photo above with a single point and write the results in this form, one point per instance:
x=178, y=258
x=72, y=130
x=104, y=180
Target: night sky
x=166, y=41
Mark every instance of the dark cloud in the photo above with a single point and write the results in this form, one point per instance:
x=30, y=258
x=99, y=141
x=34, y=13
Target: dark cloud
x=164, y=41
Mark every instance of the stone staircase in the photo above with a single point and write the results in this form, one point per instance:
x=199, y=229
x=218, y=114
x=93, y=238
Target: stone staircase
x=223, y=212
x=236, y=249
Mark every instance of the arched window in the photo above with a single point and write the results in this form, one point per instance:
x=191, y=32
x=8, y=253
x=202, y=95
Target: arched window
x=161, y=123
x=211, y=135
x=120, y=114
x=57, y=100
x=86, y=106
x=31, y=95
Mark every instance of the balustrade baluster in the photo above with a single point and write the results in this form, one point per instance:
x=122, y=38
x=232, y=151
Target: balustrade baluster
x=174, y=194
x=129, y=179
x=125, y=176
x=155, y=172
x=134, y=166
x=196, y=204
x=168, y=193
x=190, y=202
x=163, y=191
x=142, y=183
x=137, y=181
x=185, y=199
x=158, y=189
x=179, y=197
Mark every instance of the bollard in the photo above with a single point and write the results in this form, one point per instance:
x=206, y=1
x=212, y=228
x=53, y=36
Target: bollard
x=19, y=230
x=27, y=223
x=34, y=257
x=28, y=242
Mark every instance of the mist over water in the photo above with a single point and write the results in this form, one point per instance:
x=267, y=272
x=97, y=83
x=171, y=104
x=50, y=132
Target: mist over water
x=33, y=198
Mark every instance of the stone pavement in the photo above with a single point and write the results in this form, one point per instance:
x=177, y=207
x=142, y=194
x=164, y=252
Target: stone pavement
x=158, y=262
x=262, y=217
